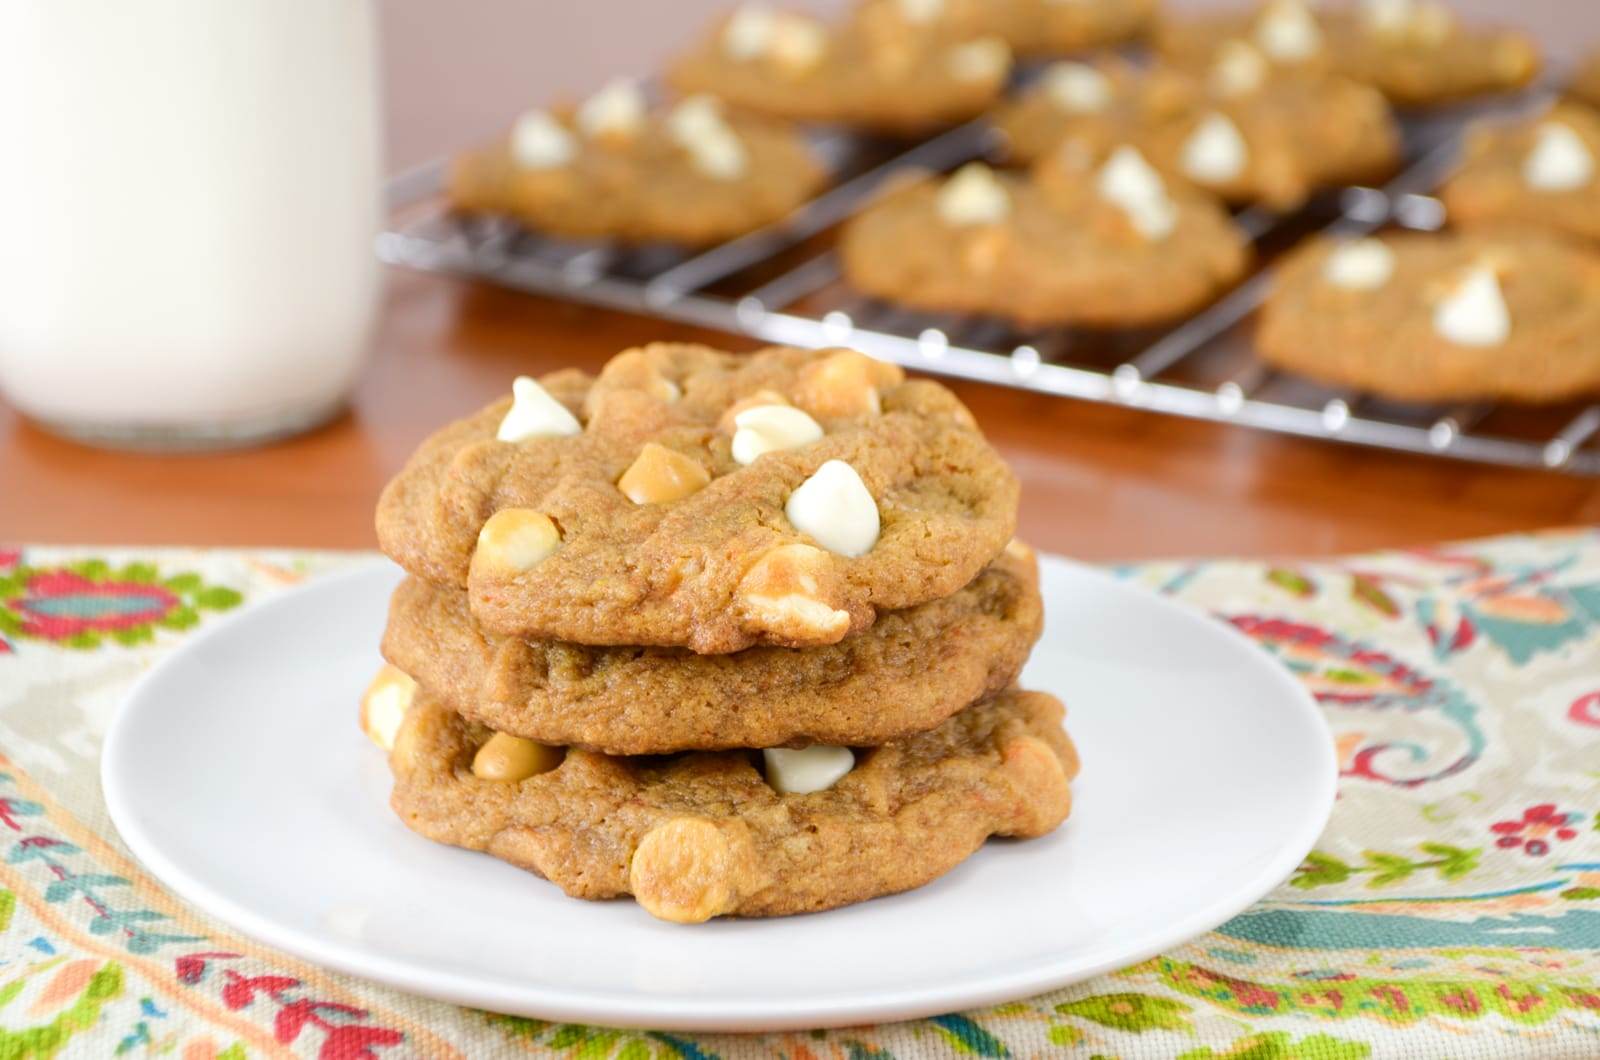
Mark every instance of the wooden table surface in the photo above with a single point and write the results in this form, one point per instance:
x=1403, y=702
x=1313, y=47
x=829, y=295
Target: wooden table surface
x=1098, y=482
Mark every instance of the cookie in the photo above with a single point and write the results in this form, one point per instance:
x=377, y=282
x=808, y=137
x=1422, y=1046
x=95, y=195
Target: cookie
x=916, y=667
x=1253, y=134
x=1440, y=317
x=1413, y=51
x=1030, y=27
x=1107, y=247
x=871, y=73
x=1094, y=105
x=690, y=497
x=687, y=174
x=1585, y=83
x=1540, y=172
x=1419, y=54
x=705, y=834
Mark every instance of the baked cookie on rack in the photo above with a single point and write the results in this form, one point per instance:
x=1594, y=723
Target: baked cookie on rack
x=1095, y=105
x=874, y=72
x=612, y=168
x=690, y=497
x=915, y=667
x=1030, y=27
x=1106, y=245
x=1416, y=52
x=1585, y=83
x=1253, y=132
x=1440, y=316
x=1543, y=172
x=698, y=835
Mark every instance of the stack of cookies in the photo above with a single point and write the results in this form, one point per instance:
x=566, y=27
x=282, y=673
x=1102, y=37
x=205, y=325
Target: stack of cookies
x=734, y=634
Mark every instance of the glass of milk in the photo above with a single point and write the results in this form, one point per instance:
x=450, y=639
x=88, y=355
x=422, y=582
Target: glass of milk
x=189, y=198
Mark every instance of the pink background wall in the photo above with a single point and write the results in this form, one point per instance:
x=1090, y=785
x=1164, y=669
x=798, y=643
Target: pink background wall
x=459, y=71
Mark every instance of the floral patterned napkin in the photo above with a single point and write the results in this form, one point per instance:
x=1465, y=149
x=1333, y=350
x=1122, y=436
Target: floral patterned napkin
x=1452, y=909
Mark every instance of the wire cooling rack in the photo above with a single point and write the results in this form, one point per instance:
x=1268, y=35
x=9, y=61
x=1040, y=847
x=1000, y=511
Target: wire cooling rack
x=782, y=284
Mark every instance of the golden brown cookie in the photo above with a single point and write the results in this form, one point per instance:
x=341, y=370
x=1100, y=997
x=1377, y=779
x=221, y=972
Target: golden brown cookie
x=872, y=72
x=704, y=834
x=1440, y=316
x=1253, y=134
x=1108, y=246
x=686, y=173
x=915, y=667
x=704, y=499
x=1030, y=27
x=1094, y=105
x=1585, y=84
x=1416, y=52
x=1543, y=172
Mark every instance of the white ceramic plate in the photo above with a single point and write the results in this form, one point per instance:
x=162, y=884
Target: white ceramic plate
x=237, y=773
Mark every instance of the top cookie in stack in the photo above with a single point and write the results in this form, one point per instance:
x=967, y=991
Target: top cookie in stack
x=622, y=586
x=705, y=500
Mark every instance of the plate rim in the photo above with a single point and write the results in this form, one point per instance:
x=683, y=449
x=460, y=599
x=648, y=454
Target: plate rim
x=692, y=1014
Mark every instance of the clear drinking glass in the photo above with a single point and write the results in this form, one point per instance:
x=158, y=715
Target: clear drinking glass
x=189, y=198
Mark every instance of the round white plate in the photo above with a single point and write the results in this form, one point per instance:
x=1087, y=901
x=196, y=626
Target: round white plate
x=237, y=773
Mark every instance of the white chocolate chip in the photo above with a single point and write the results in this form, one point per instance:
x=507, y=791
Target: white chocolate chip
x=1129, y=182
x=1360, y=265
x=538, y=141
x=985, y=59
x=616, y=110
x=1388, y=17
x=769, y=428
x=921, y=10
x=1559, y=161
x=1238, y=71
x=973, y=197
x=796, y=42
x=749, y=32
x=814, y=768
x=535, y=414
x=1475, y=313
x=1215, y=152
x=1288, y=31
x=714, y=148
x=834, y=507
x=514, y=540
x=1077, y=88
x=384, y=705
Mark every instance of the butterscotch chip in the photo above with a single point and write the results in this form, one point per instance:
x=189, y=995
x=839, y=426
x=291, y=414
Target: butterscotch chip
x=661, y=475
x=1585, y=83
x=670, y=573
x=385, y=703
x=1524, y=330
x=682, y=871
x=1064, y=254
x=873, y=72
x=703, y=834
x=647, y=186
x=1543, y=172
x=845, y=383
x=915, y=667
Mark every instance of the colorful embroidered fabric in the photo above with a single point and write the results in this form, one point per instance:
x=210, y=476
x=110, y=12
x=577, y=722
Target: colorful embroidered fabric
x=1452, y=909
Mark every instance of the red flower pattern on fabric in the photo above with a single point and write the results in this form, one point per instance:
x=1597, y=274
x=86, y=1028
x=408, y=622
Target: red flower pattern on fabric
x=1539, y=826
